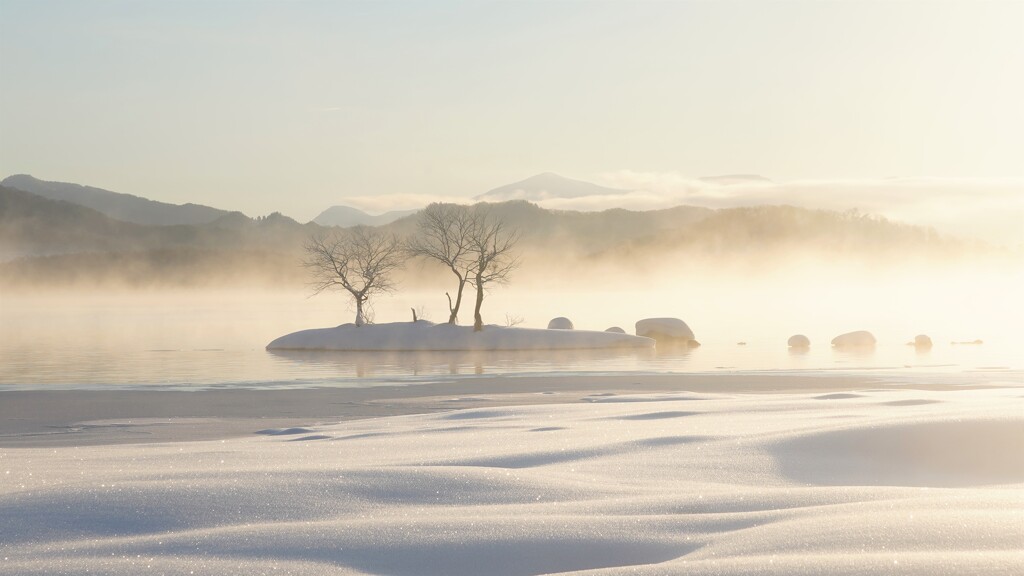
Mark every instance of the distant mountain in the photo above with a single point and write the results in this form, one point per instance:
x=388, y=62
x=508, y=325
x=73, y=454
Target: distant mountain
x=346, y=216
x=53, y=243
x=561, y=232
x=545, y=186
x=123, y=207
x=732, y=179
x=32, y=226
x=792, y=230
x=47, y=242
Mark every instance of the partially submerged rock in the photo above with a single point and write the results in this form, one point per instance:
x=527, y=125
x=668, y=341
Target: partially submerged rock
x=922, y=342
x=857, y=339
x=616, y=330
x=669, y=330
x=560, y=323
x=799, y=341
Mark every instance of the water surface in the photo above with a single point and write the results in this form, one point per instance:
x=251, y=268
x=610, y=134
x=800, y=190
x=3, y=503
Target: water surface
x=217, y=339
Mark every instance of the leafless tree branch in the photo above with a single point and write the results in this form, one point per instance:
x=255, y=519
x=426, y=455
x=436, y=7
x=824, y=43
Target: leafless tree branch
x=491, y=245
x=359, y=260
x=473, y=243
x=444, y=235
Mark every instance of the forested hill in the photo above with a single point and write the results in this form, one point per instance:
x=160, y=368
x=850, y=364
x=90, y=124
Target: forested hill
x=54, y=243
x=123, y=207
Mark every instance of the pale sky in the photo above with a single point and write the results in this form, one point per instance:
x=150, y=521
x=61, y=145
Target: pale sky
x=294, y=106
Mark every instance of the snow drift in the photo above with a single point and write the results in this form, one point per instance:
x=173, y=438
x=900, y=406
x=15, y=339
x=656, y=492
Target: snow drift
x=683, y=483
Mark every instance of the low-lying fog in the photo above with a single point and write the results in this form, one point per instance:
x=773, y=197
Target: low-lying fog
x=205, y=337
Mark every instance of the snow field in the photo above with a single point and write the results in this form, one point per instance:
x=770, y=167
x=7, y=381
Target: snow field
x=872, y=482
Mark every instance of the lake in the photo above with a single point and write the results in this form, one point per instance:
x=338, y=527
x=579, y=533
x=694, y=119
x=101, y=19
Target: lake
x=209, y=339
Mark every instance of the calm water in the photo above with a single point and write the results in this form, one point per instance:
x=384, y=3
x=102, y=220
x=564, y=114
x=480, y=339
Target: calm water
x=203, y=340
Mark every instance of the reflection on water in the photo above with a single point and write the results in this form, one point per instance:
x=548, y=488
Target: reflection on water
x=431, y=363
x=205, y=341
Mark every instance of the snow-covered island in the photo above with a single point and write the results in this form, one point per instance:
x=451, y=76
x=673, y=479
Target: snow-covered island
x=423, y=335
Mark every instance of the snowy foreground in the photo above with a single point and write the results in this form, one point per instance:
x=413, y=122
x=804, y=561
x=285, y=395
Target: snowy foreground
x=876, y=482
x=424, y=335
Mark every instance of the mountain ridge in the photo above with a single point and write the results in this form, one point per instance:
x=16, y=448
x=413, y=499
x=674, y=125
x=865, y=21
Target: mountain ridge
x=55, y=242
x=116, y=205
x=346, y=216
x=544, y=186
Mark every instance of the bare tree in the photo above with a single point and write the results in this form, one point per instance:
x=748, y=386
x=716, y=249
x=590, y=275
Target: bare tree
x=359, y=260
x=513, y=320
x=490, y=245
x=444, y=234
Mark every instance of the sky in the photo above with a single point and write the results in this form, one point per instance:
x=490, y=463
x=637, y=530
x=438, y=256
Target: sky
x=294, y=106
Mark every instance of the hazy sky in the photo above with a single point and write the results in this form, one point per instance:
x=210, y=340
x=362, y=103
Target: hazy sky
x=292, y=106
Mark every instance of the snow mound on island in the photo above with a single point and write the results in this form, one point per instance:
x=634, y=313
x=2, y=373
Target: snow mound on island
x=664, y=328
x=427, y=336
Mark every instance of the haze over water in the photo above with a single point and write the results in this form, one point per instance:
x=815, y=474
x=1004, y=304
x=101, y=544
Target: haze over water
x=178, y=177
x=216, y=338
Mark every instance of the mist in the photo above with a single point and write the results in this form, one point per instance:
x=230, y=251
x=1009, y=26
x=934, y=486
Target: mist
x=986, y=209
x=202, y=301
x=541, y=287
x=205, y=332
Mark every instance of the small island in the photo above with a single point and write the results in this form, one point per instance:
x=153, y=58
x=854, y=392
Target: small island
x=423, y=335
x=474, y=245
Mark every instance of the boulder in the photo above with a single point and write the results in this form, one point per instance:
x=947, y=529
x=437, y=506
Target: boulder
x=922, y=341
x=799, y=341
x=858, y=339
x=560, y=323
x=672, y=330
x=616, y=330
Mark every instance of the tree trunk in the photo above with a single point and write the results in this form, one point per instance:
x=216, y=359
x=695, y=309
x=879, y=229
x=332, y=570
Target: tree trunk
x=478, y=321
x=359, y=313
x=458, y=302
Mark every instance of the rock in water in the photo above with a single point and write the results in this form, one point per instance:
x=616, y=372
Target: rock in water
x=560, y=323
x=799, y=341
x=672, y=330
x=858, y=339
x=922, y=341
x=616, y=330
